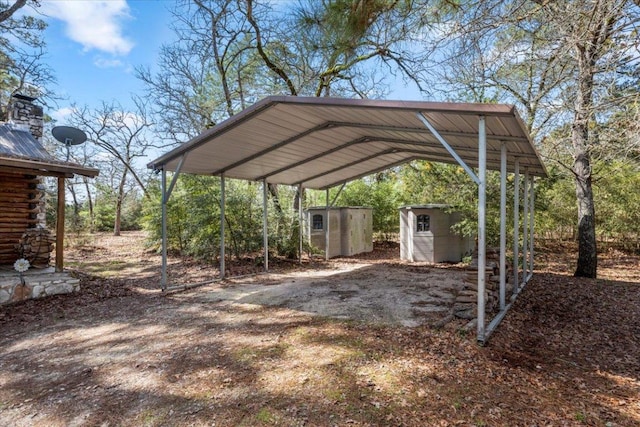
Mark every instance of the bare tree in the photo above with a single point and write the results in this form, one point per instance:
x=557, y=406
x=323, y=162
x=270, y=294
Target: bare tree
x=231, y=52
x=121, y=136
x=202, y=72
x=593, y=38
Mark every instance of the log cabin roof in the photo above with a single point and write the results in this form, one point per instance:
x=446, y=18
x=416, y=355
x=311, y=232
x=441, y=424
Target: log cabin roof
x=21, y=151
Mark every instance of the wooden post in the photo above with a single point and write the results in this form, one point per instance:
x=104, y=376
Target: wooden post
x=60, y=226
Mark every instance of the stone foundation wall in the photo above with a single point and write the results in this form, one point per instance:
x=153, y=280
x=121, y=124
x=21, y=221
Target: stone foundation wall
x=465, y=306
x=37, y=285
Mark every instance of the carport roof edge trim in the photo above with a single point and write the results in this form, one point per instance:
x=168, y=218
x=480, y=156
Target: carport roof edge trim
x=447, y=108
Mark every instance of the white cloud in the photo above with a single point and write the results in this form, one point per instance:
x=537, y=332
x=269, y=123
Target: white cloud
x=95, y=24
x=102, y=62
x=60, y=115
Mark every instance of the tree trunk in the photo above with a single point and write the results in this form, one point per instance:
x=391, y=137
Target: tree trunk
x=76, y=206
x=119, y=197
x=90, y=200
x=75, y=219
x=587, y=251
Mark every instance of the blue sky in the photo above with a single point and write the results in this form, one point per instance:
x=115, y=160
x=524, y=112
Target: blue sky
x=95, y=45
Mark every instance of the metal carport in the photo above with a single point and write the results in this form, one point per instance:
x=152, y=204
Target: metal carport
x=319, y=143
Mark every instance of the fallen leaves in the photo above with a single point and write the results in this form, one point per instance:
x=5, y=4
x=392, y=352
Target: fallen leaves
x=565, y=355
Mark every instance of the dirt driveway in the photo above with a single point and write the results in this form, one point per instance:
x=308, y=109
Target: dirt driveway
x=380, y=293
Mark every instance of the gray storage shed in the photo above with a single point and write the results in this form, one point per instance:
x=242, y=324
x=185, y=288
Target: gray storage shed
x=426, y=235
x=350, y=229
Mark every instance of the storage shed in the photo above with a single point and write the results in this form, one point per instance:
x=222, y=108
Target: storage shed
x=426, y=235
x=350, y=229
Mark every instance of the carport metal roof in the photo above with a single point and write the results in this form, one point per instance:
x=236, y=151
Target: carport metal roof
x=322, y=142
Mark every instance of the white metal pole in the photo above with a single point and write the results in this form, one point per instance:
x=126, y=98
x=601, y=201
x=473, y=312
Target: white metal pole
x=525, y=227
x=516, y=225
x=326, y=229
x=300, y=221
x=222, y=219
x=503, y=225
x=531, y=225
x=265, y=225
x=482, y=256
x=163, y=183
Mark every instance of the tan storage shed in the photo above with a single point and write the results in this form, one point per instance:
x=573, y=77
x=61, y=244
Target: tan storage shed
x=350, y=229
x=426, y=235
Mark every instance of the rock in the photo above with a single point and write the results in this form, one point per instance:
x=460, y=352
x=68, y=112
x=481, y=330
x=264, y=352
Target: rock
x=21, y=292
x=468, y=292
x=467, y=314
x=60, y=288
x=4, y=296
x=37, y=291
x=463, y=306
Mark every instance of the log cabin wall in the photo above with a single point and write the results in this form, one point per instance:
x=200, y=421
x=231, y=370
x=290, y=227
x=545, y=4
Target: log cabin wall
x=22, y=204
x=21, y=207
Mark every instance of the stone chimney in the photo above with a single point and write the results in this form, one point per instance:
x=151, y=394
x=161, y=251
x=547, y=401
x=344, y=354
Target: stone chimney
x=23, y=112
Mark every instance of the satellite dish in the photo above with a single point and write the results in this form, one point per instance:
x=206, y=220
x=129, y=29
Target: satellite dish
x=68, y=135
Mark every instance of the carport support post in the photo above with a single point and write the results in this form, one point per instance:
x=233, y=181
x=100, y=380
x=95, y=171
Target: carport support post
x=503, y=225
x=300, y=221
x=265, y=225
x=531, y=226
x=166, y=193
x=516, y=225
x=223, y=202
x=482, y=250
x=326, y=229
x=163, y=183
x=525, y=227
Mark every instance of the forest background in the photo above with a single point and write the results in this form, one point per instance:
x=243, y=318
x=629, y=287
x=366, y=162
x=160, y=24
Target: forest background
x=571, y=68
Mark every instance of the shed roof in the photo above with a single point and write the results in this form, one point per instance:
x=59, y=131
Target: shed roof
x=427, y=206
x=322, y=142
x=20, y=150
x=324, y=208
